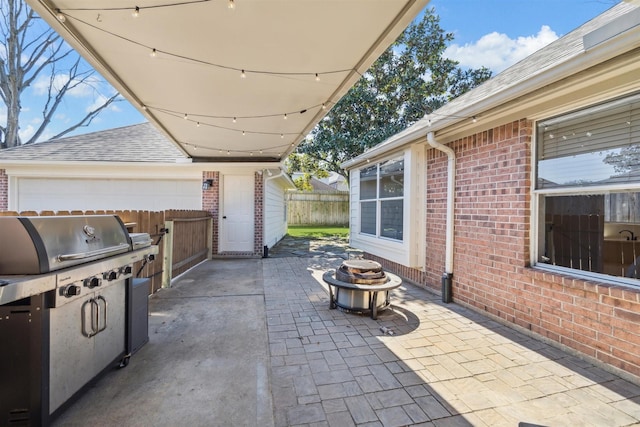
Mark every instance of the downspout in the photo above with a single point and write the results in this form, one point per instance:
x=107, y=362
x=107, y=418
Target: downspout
x=451, y=189
x=265, y=248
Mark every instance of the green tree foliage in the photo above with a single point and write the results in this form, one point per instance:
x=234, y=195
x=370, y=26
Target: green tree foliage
x=409, y=80
x=309, y=166
x=626, y=160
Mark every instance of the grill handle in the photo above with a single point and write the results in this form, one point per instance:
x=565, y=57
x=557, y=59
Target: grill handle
x=97, y=252
x=144, y=244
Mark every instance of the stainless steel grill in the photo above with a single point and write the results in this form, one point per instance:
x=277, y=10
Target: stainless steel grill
x=71, y=274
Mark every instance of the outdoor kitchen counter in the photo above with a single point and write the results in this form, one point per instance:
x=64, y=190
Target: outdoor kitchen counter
x=392, y=283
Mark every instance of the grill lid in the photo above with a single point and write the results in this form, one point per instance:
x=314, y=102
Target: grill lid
x=36, y=245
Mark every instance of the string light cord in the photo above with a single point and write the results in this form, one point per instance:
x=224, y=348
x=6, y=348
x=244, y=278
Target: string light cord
x=154, y=51
x=199, y=123
x=238, y=117
x=138, y=8
x=274, y=149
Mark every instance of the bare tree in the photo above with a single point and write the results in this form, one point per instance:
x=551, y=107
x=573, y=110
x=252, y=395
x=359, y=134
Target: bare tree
x=30, y=50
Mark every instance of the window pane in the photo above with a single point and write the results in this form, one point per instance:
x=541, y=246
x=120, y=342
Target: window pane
x=368, y=182
x=391, y=219
x=599, y=145
x=392, y=178
x=584, y=232
x=368, y=217
x=615, y=166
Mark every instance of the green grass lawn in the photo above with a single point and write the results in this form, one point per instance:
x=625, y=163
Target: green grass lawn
x=318, y=231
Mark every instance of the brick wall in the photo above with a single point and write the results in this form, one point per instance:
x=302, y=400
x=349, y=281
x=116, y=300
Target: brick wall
x=491, y=255
x=258, y=215
x=4, y=191
x=211, y=203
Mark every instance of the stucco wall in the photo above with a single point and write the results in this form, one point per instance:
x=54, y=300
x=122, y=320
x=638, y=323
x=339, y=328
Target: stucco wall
x=491, y=256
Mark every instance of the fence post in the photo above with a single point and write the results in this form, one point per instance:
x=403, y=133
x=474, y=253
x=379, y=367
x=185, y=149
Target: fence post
x=167, y=260
x=210, y=238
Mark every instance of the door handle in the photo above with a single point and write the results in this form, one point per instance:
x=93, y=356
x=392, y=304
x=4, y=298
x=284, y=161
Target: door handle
x=87, y=330
x=101, y=301
x=224, y=217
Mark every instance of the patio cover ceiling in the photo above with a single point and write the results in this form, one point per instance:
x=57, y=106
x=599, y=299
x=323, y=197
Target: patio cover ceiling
x=246, y=83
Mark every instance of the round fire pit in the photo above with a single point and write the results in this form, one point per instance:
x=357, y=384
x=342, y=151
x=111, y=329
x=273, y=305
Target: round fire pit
x=360, y=286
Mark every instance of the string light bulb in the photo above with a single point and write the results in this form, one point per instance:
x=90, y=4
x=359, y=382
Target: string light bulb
x=232, y=4
x=324, y=107
x=186, y=116
x=136, y=12
x=60, y=16
x=285, y=116
x=243, y=75
x=317, y=77
x=153, y=52
x=197, y=124
x=235, y=120
x=243, y=133
x=474, y=119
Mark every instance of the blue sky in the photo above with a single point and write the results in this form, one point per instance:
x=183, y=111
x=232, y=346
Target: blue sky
x=492, y=33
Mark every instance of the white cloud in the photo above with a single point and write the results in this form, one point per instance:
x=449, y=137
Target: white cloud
x=26, y=132
x=98, y=101
x=497, y=51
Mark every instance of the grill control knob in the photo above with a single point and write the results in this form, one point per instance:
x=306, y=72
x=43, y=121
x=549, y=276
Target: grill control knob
x=127, y=270
x=71, y=291
x=111, y=275
x=91, y=282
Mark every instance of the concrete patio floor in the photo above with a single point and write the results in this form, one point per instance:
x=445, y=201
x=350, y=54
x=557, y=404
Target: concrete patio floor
x=252, y=342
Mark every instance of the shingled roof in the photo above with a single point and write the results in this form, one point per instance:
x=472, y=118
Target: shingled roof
x=135, y=143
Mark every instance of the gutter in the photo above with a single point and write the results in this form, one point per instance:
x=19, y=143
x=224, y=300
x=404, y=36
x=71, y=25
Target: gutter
x=449, y=235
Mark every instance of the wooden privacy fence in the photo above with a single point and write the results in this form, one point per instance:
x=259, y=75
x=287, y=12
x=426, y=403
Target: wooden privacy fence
x=183, y=239
x=317, y=208
x=188, y=241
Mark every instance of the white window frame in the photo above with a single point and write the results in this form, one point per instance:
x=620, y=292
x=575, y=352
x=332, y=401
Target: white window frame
x=378, y=200
x=411, y=250
x=538, y=213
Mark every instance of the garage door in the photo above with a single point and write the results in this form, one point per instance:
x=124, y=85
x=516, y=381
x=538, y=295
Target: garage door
x=40, y=194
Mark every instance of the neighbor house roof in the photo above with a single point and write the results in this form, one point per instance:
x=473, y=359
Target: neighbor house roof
x=135, y=143
x=592, y=43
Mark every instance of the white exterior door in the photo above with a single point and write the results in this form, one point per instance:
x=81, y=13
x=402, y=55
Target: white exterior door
x=237, y=214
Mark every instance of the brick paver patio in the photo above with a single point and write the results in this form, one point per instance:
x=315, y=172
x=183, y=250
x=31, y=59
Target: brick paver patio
x=443, y=365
